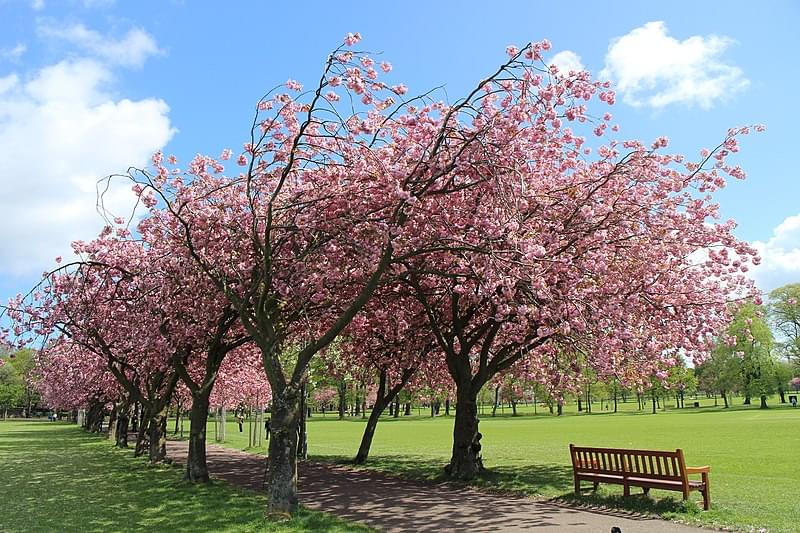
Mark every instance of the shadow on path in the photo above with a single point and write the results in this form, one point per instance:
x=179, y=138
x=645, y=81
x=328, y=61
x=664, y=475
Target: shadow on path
x=395, y=504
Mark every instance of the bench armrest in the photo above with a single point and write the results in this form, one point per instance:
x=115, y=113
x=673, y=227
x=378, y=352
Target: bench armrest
x=698, y=469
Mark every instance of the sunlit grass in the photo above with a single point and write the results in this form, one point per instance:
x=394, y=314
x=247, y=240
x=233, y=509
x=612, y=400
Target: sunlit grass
x=55, y=477
x=752, y=454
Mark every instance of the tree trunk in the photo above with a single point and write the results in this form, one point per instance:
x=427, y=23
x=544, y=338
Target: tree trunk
x=514, y=408
x=496, y=401
x=466, y=461
x=158, y=436
x=342, y=399
x=447, y=407
x=141, y=435
x=408, y=409
x=615, y=399
x=782, y=395
x=725, y=398
x=196, y=466
x=397, y=407
x=282, y=461
x=112, y=422
x=653, y=397
x=177, y=420
x=746, y=399
x=121, y=433
x=763, y=402
x=559, y=409
x=580, y=404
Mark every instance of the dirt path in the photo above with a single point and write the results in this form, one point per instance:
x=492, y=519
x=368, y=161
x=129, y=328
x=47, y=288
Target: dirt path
x=393, y=504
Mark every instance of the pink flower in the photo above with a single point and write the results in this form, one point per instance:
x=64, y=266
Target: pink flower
x=294, y=85
x=172, y=160
x=352, y=38
x=226, y=154
x=242, y=161
x=400, y=89
x=58, y=259
x=512, y=50
x=386, y=67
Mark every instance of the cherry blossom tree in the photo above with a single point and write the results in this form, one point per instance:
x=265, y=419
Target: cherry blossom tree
x=389, y=339
x=326, y=203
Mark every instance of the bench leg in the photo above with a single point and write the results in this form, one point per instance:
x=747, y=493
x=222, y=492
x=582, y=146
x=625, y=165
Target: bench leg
x=626, y=490
x=706, y=492
x=577, y=486
x=645, y=490
x=595, y=485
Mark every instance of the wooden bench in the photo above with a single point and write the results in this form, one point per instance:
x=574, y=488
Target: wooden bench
x=648, y=469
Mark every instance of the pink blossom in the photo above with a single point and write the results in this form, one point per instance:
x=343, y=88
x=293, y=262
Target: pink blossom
x=352, y=38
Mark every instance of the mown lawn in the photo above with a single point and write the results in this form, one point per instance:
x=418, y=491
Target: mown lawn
x=55, y=477
x=753, y=455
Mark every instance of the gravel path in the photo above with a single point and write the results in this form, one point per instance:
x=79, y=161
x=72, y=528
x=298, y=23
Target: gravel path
x=393, y=504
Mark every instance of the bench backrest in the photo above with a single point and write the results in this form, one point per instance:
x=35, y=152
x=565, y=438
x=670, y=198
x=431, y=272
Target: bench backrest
x=653, y=464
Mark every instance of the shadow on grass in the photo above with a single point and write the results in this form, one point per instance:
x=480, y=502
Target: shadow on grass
x=531, y=479
x=64, y=479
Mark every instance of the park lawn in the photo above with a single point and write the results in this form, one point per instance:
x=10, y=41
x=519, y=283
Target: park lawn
x=752, y=454
x=56, y=477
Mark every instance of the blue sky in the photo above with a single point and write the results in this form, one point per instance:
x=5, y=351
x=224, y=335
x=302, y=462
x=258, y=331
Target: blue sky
x=89, y=87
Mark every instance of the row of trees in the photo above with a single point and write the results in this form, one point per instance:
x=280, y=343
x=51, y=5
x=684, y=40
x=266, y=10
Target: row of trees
x=422, y=242
x=17, y=381
x=758, y=354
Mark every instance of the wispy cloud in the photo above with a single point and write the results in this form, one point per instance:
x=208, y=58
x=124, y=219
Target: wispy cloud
x=13, y=54
x=131, y=50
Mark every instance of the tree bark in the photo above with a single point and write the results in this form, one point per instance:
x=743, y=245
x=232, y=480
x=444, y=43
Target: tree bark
x=465, y=462
x=725, y=398
x=158, y=437
x=369, y=431
x=122, y=427
x=196, y=467
x=763, y=402
x=282, y=461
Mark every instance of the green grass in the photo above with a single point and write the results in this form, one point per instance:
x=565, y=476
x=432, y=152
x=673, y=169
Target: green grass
x=752, y=454
x=55, y=477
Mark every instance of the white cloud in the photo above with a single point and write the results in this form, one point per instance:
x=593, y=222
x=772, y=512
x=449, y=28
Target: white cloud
x=130, y=51
x=567, y=60
x=60, y=131
x=37, y=5
x=780, y=256
x=13, y=54
x=651, y=68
